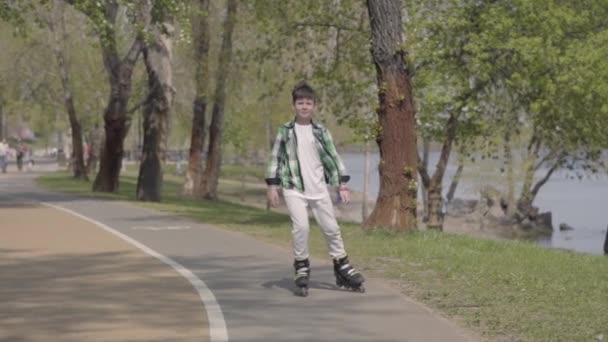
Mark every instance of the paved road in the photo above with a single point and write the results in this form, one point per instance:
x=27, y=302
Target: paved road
x=250, y=280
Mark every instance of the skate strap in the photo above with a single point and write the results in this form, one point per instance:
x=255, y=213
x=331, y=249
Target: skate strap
x=302, y=270
x=348, y=269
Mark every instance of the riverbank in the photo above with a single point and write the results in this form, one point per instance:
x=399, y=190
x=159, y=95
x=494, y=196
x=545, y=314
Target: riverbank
x=251, y=191
x=505, y=291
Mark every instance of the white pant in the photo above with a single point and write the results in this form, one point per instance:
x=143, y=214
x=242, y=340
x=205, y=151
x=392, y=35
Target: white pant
x=323, y=212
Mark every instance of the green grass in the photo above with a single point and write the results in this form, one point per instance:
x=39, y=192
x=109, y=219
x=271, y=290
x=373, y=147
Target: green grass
x=228, y=171
x=502, y=290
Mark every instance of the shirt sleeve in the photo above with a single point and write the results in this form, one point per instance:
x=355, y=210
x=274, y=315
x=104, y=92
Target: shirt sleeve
x=344, y=177
x=273, y=170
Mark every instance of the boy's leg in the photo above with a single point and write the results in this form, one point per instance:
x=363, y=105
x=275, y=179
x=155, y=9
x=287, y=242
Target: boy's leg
x=346, y=275
x=299, y=219
x=323, y=210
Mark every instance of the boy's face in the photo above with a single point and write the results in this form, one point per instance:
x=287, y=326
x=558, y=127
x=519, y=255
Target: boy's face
x=304, y=108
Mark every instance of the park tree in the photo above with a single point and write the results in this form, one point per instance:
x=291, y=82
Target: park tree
x=321, y=42
x=396, y=203
x=548, y=58
x=448, y=89
x=200, y=44
x=57, y=28
x=157, y=56
x=213, y=162
x=30, y=92
x=119, y=66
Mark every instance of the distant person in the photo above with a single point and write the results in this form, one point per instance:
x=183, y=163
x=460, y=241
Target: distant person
x=20, y=153
x=4, y=152
x=28, y=158
x=303, y=160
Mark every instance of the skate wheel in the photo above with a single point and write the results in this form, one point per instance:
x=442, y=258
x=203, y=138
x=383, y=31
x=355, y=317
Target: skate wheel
x=359, y=289
x=302, y=291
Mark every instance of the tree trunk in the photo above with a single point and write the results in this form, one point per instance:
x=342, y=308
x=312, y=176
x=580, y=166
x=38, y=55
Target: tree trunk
x=79, y=170
x=525, y=198
x=197, y=138
x=434, y=184
x=116, y=129
x=435, y=206
x=455, y=181
x=157, y=58
x=606, y=242
x=396, y=204
x=426, y=147
x=508, y=155
x=214, y=155
x=96, y=137
x=120, y=72
x=364, y=209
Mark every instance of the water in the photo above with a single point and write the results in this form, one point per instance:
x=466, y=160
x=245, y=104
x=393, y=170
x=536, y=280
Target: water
x=582, y=204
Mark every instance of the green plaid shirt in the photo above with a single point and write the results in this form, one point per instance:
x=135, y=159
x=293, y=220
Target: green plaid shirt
x=284, y=166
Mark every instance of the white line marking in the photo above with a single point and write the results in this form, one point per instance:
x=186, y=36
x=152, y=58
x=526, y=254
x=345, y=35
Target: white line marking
x=217, y=325
x=160, y=228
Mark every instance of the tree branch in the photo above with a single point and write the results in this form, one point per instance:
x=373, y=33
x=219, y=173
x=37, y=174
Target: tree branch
x=544, y=180
x=140, y=104
x=446, y=148
x=424, y=174
x=545, y=158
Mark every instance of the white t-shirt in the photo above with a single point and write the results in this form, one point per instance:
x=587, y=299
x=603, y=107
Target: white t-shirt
x=310, y=165
x=3, y=149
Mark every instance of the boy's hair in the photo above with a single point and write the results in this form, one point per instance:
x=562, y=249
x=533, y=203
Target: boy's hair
x=303, y=91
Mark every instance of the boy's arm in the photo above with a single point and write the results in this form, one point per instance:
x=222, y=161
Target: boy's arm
x=344, y=177
x=273, y=176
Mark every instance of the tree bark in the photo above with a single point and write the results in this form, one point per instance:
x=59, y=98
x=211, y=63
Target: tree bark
x=96, y=137
x=396, y=203
x=508, y=155
x=157, y=58
x=116, y=120
x=213, y=163
x=606, y=242
x=435, y=203
x=364, y=209
x=426, y=147
x=78, y=168
x=525, y=197
x=192, y=185
x=455, y=181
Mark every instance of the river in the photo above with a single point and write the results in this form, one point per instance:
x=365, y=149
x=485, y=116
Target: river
x=581, y=203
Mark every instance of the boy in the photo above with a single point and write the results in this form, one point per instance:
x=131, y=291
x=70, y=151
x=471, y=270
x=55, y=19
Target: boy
x=303, y=160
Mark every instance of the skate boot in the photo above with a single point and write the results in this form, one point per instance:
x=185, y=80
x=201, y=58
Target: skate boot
x=347, y=276
x=302, y=273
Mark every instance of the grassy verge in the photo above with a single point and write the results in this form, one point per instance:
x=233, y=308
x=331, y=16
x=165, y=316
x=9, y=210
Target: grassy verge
x=503, y=290
x=229, y=171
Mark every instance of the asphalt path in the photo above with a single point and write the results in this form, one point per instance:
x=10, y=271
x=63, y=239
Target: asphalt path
x=243, y=286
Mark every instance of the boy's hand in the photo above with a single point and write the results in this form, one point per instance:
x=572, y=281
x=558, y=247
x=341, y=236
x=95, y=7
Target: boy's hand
x=344, y=194
x=273, y=196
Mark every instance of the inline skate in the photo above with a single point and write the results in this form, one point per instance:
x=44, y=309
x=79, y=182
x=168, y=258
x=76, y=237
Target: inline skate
x=347, y=276
x=302, y=273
